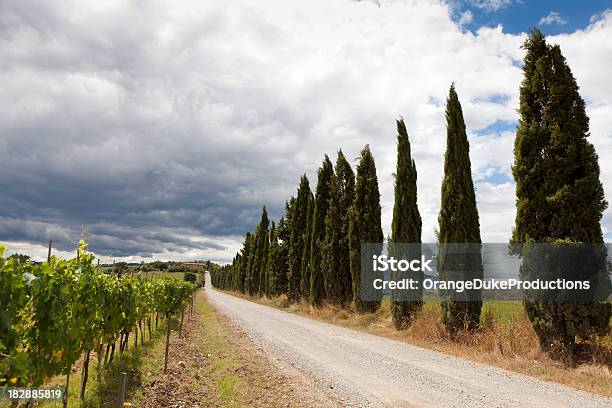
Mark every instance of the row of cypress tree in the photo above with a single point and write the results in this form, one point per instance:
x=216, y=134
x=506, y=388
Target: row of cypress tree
x=307, y=255
x=313, y=252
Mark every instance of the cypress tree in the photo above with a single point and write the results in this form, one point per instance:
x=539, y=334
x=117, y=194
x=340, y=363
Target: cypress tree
x=261, y=238
x=321, y=205
x=559, y=195
x=272, y=268
x=237, y=266
x=251, y=283
x=306, y=271
x=297, y=226
x=365, y=224
x=335, y=255
x=263, y=271
x=406, y=228
x=235, y=271
x=284, y=239
x=277, y=262
x=248, y=277
x=244, y=260
x=458, y=223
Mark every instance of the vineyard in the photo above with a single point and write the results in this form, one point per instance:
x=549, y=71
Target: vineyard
x=57, y=313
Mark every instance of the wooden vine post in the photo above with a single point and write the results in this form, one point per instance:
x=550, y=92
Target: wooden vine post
x=181, y=325
x=122, y=391
x=168, y=321
x=84, y=374
x=49, y=252
x=65, y=400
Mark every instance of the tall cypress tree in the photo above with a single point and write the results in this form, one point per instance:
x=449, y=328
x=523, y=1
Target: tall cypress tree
x=272, y=269
x=263, y=269
x=306, y=271
x=261, y=238
x=248, y=276
x=235, y=271
x=297, y=226
x=277, y=261
x=321, y=205
x=458, y=223
x=244, y=260
x=284, y=238
x=559, y=195
x=365, y=224
x=406, y=228
x=335, y=260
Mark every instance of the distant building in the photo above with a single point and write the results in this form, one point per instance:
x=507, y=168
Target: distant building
x=193, y=265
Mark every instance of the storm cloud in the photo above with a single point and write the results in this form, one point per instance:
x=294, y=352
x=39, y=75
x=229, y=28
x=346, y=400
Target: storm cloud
x=165, y=127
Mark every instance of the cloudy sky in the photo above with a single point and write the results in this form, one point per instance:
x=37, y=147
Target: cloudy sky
x=166, y=125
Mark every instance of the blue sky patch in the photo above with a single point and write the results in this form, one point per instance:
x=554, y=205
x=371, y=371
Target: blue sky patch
x=517, y=16
x=432, y=100
x=497, y=178
x=493, y=175
x=498, y=127
x=496, y=98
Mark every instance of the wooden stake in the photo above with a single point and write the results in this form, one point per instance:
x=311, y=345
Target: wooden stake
x=126, y=346
x=112, y=354
x=168, y=321
x=100, y=348
x=181, y=326
x=49, y=253
x=84, y=374
x=65, y=401
x=122, y=392
x=142, y=336
x=106, y=354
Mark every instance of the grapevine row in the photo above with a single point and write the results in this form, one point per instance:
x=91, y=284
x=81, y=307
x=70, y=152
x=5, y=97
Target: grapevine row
x=52, y=313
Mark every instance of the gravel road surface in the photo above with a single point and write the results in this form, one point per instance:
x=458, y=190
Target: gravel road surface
x=363, y=370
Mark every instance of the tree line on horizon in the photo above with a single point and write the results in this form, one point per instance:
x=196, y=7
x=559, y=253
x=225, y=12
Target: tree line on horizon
x=313, y=252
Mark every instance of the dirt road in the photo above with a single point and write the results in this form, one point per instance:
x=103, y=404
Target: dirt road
x=371, y=371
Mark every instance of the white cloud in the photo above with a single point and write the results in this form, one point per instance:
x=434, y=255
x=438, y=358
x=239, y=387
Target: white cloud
x=552, y=18
x=599, y=16
x=494, y=210
x=179, y=120
x=466, y=18
x=490, y=5
x=490, y=152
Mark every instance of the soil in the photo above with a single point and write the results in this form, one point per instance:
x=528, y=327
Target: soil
x=194, y=379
